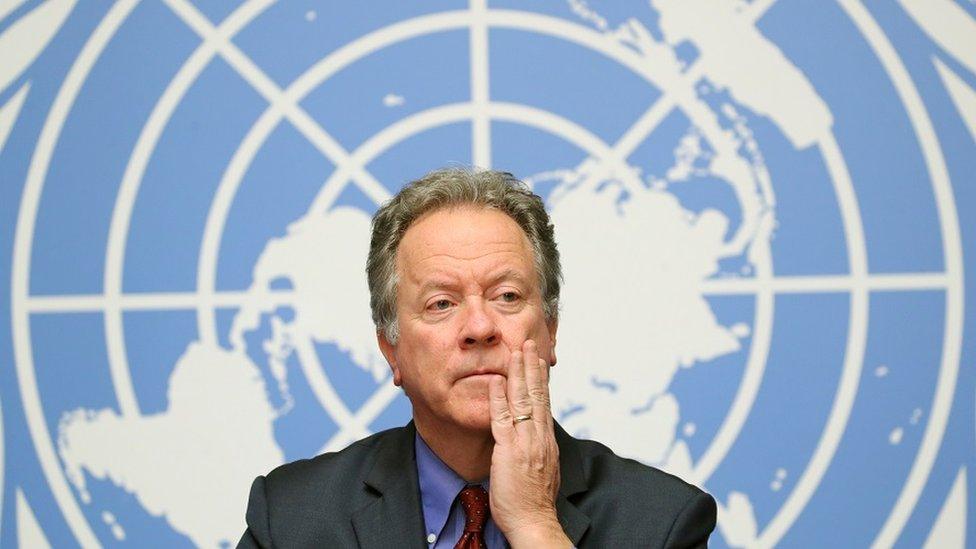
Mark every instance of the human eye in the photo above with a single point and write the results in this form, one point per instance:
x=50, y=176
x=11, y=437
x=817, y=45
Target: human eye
x=509, y=296
x=440, y=304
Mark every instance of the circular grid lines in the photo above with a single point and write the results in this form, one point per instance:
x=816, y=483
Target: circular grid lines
x=480, y=111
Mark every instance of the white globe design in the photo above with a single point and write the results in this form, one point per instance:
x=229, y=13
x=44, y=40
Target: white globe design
x=590, y=191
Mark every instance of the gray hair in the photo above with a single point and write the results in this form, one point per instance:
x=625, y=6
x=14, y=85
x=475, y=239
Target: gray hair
x=452, y=187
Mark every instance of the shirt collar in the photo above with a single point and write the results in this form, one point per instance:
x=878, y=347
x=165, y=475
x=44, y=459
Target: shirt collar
x=439, y=485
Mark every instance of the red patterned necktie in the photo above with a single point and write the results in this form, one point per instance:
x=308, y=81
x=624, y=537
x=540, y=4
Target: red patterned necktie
x=474, y=501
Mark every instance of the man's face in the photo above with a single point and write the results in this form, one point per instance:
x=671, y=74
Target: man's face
x=468, y=296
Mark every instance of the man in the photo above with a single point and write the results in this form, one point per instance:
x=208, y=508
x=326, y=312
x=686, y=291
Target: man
x=464, y=282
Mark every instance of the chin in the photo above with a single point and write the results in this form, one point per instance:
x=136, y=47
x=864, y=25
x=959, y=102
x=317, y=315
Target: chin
x=475, y=416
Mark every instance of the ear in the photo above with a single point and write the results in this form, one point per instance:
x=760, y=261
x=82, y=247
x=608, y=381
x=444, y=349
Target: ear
x=552, y=325
x=389, y=352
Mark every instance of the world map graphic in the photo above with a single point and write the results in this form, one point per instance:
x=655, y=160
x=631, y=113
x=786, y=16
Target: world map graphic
x=739, y=306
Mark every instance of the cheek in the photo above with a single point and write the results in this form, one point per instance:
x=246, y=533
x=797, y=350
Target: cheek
x=427, y=358
x=543, y=338
x=516, y=331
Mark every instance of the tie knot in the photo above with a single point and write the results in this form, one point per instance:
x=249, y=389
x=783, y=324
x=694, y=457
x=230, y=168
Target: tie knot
x=474, y=501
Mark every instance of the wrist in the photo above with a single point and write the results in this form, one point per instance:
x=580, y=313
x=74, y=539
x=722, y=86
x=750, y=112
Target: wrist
x=542, y=534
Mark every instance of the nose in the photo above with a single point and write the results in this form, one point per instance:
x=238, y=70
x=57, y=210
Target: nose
x=479, y=326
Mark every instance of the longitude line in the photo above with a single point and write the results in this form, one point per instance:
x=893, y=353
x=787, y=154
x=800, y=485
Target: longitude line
x=480, y=119
x=264, y=85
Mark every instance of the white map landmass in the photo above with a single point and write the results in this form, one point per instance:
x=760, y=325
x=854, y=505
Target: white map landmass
x=193, y=463
x=633, y=313
x=217, y=432
x=323, y=258
x=735, y=55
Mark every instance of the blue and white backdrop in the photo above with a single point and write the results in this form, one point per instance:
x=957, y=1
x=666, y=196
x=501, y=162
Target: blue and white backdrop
x=767, y=212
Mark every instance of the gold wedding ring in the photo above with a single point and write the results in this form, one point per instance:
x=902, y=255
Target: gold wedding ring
x=520, y=419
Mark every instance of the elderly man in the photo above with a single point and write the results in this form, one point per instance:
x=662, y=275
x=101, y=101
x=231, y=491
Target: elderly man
x=464, y=283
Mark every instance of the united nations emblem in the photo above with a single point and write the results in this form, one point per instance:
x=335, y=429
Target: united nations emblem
x=761, y=239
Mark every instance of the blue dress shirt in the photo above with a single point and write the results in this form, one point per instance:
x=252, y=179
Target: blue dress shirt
x=443, y=516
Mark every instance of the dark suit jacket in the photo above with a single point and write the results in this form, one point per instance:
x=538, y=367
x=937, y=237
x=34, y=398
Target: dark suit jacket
x=368, y=496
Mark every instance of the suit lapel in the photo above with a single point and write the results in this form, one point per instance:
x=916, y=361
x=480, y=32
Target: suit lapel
x=572, y=481
x=395, y=517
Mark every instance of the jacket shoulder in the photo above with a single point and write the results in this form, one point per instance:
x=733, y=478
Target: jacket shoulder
x=311, y=502
x=635, y=503
x=603, y=466
x=332, y=473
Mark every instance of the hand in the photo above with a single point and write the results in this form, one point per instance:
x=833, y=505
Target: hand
x=525, y=460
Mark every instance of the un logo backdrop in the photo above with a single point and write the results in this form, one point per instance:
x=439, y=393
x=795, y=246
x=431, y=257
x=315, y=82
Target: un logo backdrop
x=766, y=212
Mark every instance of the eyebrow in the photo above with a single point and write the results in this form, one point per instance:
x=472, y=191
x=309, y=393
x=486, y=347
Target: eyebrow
x=437, y=284
x=508, y=274
x=446, y=283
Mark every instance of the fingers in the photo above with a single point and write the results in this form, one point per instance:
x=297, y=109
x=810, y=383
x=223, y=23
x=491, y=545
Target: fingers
x=519, y=401
x=524, y=393
x=535, y=380
x=502, y=429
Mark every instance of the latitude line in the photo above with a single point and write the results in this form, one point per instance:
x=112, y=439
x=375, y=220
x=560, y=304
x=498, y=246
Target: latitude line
x=165, y=301
x=286, y=103
x=158, y=301
x=826, y=283
x=480, y=87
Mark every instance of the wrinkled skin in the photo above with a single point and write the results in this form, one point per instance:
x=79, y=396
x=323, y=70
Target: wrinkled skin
x=474, y=352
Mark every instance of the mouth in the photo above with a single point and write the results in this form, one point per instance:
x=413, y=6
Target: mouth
x=482, y=373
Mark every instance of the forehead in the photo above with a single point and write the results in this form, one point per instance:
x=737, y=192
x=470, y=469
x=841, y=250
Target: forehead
x=464, y=237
